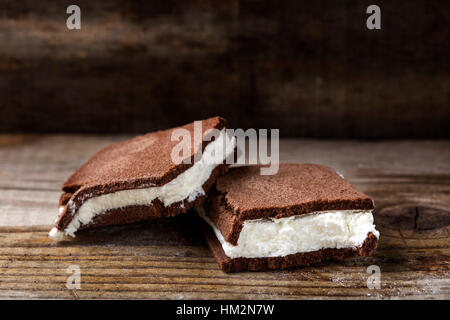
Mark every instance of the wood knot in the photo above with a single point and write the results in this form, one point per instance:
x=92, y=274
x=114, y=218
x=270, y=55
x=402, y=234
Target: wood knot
x=413, y=217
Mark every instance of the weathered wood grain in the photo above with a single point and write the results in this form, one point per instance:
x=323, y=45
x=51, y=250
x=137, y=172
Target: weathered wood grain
x=168, y=259
x=312, y=68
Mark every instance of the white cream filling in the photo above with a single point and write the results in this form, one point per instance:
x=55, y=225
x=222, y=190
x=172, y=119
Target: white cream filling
x=303, y=233
x=187, y=185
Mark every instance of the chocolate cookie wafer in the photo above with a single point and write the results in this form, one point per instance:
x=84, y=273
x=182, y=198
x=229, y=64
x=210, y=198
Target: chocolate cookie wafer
x=304, y=214
x=137, y=180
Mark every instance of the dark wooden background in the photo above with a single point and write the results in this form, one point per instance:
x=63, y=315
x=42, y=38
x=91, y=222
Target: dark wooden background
x=311, y=68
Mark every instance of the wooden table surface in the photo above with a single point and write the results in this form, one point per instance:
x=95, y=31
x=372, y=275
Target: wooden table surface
x=168, y=259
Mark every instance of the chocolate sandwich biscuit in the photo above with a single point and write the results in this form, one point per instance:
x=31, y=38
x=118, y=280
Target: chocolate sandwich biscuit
x=137, y=179
x=304, y=214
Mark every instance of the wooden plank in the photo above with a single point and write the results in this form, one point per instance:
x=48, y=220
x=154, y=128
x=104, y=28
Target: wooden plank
x=38, y=266
x=312, y=68
x=168, y=259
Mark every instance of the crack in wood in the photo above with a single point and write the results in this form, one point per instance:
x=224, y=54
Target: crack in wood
x=413, y=217
x=416, y=218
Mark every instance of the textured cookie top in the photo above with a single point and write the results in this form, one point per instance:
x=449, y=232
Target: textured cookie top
x=144, y=159
x=295, y=189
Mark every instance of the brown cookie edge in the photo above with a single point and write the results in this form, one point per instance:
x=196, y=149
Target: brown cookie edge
x=230, y=265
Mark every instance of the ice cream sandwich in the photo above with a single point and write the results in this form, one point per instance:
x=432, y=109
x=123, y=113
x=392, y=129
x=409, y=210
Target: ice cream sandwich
x=138, y=180
x=302, y=215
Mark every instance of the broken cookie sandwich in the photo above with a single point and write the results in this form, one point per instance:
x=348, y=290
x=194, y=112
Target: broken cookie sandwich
x=304, y=214
x=138, y=179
